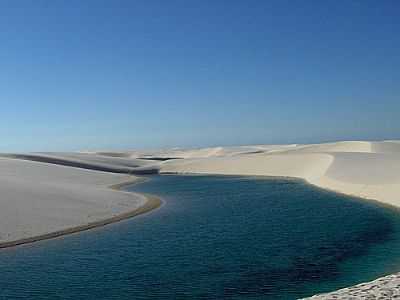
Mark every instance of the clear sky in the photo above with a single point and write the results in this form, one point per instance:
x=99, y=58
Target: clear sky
x=146, y=74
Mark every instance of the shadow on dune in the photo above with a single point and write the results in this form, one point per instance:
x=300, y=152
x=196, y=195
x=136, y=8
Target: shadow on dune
x=138, y=170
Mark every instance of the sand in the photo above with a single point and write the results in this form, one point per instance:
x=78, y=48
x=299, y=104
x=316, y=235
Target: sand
x=365, y=169
x=93, y=161
x=383, y=288
x=39, y=200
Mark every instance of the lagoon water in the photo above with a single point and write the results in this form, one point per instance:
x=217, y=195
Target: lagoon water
x=215, y=237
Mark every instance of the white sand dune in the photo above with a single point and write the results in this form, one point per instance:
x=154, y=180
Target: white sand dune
x=365, y=169
x=368, y=175
x=181, y=153
x=386, y=147
x=208, y=152
x=307, y=165
x=88, y=161
x=38, y=198
x=99, y=159
x=346, y=146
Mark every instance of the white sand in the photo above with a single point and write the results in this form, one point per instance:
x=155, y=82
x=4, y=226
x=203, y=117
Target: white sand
x=364, y=169
x=37, y=198
x=384, y=288
x=92, y=161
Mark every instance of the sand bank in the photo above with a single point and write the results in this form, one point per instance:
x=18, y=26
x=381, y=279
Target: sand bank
x=383, y=288
x=151, y=203
x=40, y=201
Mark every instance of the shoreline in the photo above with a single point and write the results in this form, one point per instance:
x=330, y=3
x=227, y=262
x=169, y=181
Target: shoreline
x=315, y=185
x=359, y=197
x=152, y=203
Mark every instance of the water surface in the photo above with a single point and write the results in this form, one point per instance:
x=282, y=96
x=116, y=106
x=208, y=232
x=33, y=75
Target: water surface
x=215, y=237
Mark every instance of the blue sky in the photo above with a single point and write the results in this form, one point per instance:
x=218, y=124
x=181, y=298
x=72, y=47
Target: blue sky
x=147, y=74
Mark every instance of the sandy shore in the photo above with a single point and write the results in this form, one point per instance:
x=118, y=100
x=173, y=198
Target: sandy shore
x=383, y=288
x=151, y=203
x=40, y=201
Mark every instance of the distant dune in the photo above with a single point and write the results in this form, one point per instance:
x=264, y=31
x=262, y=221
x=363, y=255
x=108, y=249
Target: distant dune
x=364, y=169
x=87, y=161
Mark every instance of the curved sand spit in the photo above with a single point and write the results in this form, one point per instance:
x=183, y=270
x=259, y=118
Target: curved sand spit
x=41, y=198
x=40, y=201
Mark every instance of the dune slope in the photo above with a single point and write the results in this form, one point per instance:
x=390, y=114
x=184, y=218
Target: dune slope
x=363, y=169
x=37, y=198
